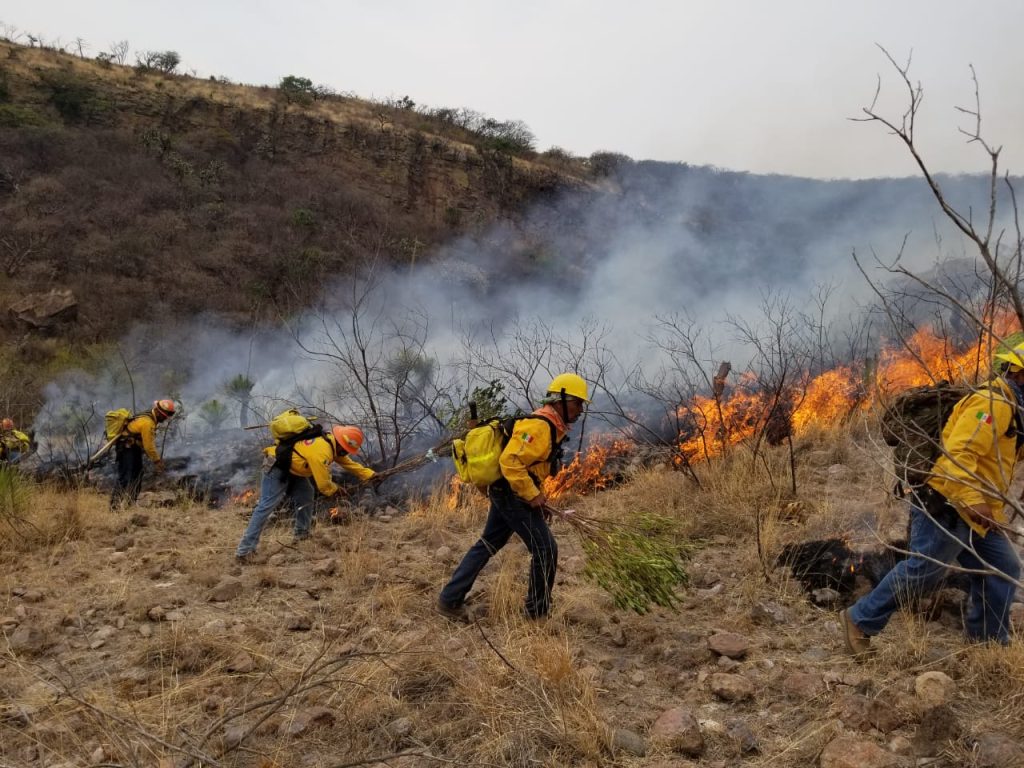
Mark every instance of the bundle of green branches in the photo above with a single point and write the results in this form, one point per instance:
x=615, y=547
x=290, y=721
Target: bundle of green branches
x=638, y=563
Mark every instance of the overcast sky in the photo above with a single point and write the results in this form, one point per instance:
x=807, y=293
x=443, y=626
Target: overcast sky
x=759, y=85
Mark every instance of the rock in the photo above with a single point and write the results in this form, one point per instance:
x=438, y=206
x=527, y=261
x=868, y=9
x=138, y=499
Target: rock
x=616, y=634
x=325, y=568
x=938, y=726
x=233, y=735
x=228, y=588
x=853, y=752
x=997, y=750
x=174, y=616
x=97, y=756
x=731, y=687
x=638, y=678
x=45, y=310
x=728, y=665
x=729, y=644
x=443, y=554
x=399, y=728
x=630, y=742
x=744, y=739
x=678, y=729
x=703, y=578
x=115, y=558
x=298, y=622
x=1017, y=616
x=33, y=596
x=242, y=663
x=145, y=630
x=901, y=745
x=156, y=499
x=837, y=471
x=826, y=596
x=122, y=543
x=862, y=714
x=139, y=520
x=28, y=640
x=277, y=560
x=215, y=627
x=802, y=685
x=815, y=655
x=305, y=721
x=156, y=613
x=766, y=612
x=934, y=689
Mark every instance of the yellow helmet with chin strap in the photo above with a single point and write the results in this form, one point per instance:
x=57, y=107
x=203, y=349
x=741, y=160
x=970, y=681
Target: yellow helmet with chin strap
x=570, y=385
x=1014, y=358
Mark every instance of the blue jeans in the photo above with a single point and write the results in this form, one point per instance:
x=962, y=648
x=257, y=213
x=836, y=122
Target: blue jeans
x=988, y=612
x=278, y=484
x=509, y=514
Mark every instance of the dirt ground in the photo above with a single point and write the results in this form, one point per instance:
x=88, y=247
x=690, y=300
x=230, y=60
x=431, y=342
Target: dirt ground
x=135, y=639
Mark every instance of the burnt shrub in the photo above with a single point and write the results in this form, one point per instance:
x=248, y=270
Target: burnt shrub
x=74, y=99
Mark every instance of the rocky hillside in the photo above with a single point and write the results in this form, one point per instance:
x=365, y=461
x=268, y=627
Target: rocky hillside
x=134, y=640
x=140, y=195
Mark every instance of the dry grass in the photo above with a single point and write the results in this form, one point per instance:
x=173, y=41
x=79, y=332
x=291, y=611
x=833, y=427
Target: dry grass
x=396, y=677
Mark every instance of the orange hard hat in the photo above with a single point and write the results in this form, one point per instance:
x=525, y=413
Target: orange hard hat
x=164, y=408
x=348, y=439
x=7, y=423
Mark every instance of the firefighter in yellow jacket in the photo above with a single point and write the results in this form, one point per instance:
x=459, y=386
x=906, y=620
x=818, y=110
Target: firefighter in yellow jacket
x=138, y=437
x=517, y=500
x=959, y=516
x=14, y=444
x=310, y=460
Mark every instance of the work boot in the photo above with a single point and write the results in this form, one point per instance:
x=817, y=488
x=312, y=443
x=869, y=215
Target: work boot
x=857, y=643
x=249, y=558
x=454, y=612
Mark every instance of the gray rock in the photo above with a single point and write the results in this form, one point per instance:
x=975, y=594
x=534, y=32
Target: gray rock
x=677, y=728
x=298, y=622
x=228, y=588
x=630, y=742
x=997, y=750
x=729, y=644
x=743, y=737
x=325, y=568
x=123, y=542
x=242, y=663
x=767, y=612
x=826, y=596
x=306, y=721
x=28, y=640
x=399, y=728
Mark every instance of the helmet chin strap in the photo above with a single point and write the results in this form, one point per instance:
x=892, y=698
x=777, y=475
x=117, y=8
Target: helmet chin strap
x=565, y=407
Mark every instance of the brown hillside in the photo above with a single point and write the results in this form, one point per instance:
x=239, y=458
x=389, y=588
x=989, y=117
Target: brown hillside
x=150, y=195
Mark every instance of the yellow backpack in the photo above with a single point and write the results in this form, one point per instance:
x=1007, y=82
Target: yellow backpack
x=288, y=424
x=115, y=422
x=477, y=455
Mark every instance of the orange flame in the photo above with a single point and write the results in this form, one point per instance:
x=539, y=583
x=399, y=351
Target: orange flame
x=451, y=502
x=586, y=474
x=245, y=497
x=711, y=427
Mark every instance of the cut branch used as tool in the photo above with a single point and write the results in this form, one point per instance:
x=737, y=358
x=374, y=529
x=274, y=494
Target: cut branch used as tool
x=638, y=563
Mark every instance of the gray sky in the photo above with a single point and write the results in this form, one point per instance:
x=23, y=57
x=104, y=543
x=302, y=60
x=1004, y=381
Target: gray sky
x=748, y=85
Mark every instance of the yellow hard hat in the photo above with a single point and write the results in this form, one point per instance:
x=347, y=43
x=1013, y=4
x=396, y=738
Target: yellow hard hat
x=570, y=385
x=1015, y=357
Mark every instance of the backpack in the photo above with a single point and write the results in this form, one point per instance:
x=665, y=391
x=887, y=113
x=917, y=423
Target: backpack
x=477, y=455
x=912, y=425
x=115, y=422
x=288, y=428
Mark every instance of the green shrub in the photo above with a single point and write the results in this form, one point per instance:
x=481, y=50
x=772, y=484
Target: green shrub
x=73, y=98
x=15, y=499
x=17, y=116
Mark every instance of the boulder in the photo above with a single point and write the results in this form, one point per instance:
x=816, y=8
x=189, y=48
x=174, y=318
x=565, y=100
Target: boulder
x=997, y=750
x=228, y=588
x=39, y=311
x=678, y=729
x=630, y=742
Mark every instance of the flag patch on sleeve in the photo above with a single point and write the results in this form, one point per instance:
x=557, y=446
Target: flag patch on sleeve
x=984, y=418
x=526, y=437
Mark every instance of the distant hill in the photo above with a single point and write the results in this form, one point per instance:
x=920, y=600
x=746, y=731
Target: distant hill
x=146, y=196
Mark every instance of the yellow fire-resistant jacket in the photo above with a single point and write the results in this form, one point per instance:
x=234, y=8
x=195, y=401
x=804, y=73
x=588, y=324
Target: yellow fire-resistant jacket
x=312, y=458
x=978, y=457
x=143, y=428
x=525, y=462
